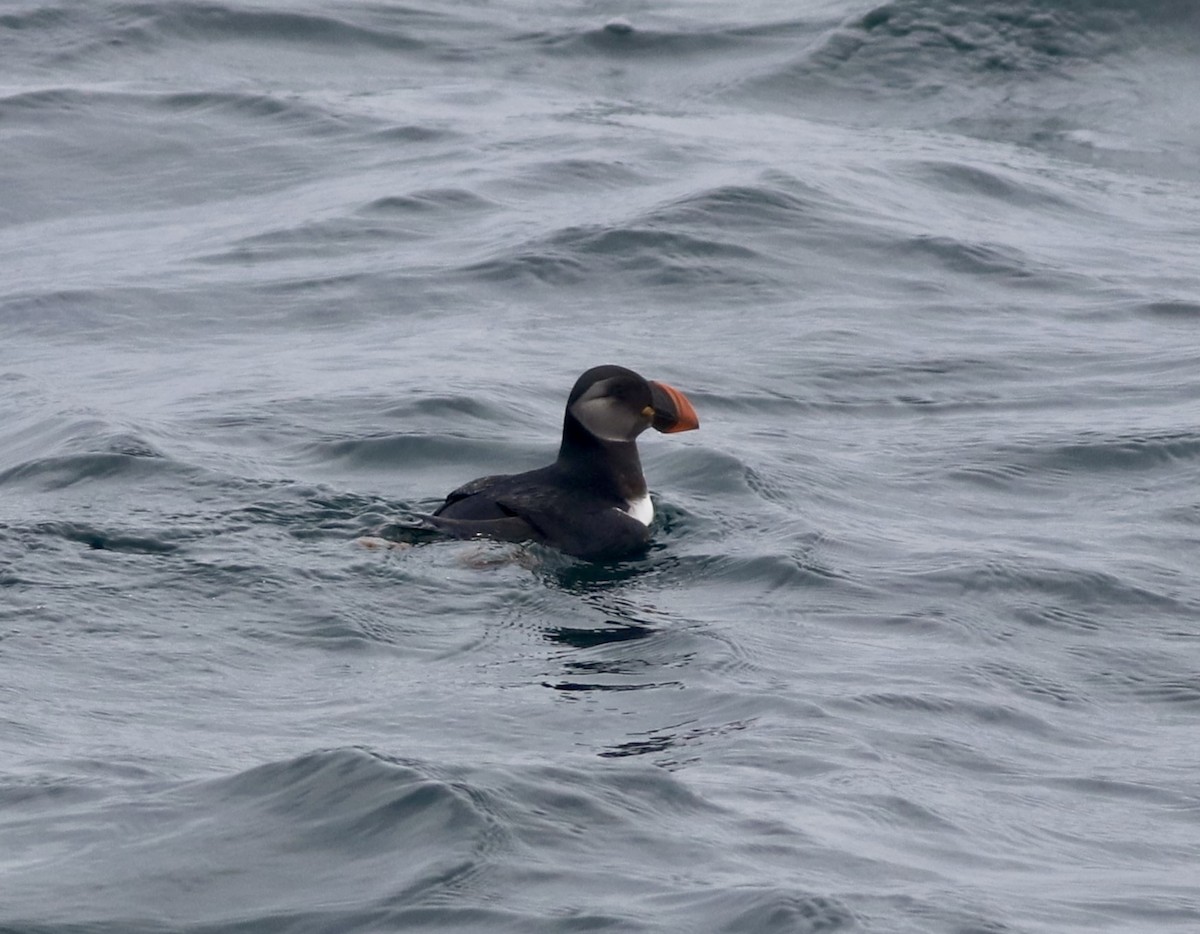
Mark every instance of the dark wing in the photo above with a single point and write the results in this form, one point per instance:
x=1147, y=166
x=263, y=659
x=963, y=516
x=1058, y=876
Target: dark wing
x=595, y=532
x=467, y=490
x=474, y=510
x=508, y=529
x=535, y=507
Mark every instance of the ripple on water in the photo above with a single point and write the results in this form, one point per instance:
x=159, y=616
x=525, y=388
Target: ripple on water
x=1052, y=461
x=328, y=823
x=649, y=255
x=281, y=842
x=1018, y=577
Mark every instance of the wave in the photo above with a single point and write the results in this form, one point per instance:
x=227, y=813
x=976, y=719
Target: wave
x=102, y=30
x=36, y=106
x=379, y=224
x=1104, y=83
x=87, y=451
x=994, y=182
x=915, y=43
x=1031, y=582
x=407, y=451
x=622, y=38
x=428, y=201
x=700, y=239
x=353, y=839
x=1090, y=452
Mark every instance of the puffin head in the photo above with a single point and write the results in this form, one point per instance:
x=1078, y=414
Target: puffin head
x=616, y=404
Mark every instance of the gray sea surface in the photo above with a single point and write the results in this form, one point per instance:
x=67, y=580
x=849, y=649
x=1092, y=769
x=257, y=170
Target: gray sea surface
x=916, y=649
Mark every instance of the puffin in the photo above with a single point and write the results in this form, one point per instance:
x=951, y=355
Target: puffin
x=592, y=502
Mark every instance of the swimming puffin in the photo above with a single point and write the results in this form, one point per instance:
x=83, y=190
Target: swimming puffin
x=592, y=502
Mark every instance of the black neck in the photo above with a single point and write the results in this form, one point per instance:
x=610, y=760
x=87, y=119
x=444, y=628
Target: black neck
x=612, y=468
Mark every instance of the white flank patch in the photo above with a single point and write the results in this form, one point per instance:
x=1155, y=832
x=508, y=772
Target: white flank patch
x=642, y=509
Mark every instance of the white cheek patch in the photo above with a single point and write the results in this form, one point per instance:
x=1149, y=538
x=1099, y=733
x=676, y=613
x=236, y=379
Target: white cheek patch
x=604, y=418
x=642, y=509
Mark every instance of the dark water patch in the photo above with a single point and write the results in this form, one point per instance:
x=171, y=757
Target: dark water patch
x=447, y=409
x=586, y=577
x=1171, y=13
x=101, y=540
x=990, y=260
x=625, y=39
x=40, y=16
x=413, y=133
x=627, y=663
x=776, y=206
x=406, y=451
x=257, y=109
x=311, y=240
x=434, y=201
x=1170, y=310
x=575, y=174
x=675, y=740
x=1093, y=451
x=57, y=473
x=640, y=246
x=641, y=255
x=572, y=687
x=992, y=182
x=207, y=21
x=534, y=265
x=616, y=632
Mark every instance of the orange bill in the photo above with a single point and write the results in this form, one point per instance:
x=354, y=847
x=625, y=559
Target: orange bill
x=672, y=410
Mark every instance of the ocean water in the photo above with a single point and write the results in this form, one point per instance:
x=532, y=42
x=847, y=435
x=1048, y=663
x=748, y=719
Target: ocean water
x=917, y=645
